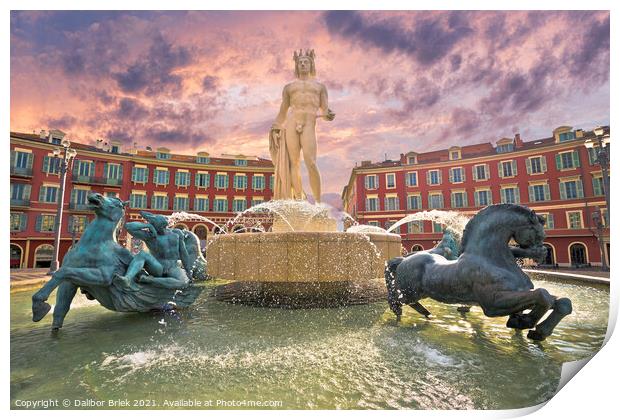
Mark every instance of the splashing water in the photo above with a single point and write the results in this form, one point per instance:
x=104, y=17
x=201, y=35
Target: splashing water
x=454, y=221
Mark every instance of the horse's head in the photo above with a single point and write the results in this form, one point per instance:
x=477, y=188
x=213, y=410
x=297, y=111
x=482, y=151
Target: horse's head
x=158, y=221
x=531, y=233
x=111, y=208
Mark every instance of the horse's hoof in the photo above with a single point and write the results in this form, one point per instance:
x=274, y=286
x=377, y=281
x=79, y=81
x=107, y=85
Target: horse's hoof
x=535, y=335
x=39, y=310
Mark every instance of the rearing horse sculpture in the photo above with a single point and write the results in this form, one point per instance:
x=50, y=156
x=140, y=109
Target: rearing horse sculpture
x=91, y=266
x=485, y=274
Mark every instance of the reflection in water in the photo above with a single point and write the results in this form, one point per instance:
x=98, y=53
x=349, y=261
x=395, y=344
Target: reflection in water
x=354, y=357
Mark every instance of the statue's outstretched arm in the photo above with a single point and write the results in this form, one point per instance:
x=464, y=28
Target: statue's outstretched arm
x=281, y=118
x=142, y=231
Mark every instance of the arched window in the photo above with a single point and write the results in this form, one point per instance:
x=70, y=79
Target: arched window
x=238, y=229
x=16, y=256
x=202, y=232
x=578, y=254
x=43, y=256
x=181, y=226
x=417, y=247
x=550, y=258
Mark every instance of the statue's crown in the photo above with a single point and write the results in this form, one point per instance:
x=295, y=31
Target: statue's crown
x=309, y=54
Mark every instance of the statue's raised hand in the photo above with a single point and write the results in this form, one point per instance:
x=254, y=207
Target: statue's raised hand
x=330, y=115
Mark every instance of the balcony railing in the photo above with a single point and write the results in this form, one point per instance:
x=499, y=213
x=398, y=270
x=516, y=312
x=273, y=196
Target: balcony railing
x=98, y=180
x=19, y=203
x=17, y=171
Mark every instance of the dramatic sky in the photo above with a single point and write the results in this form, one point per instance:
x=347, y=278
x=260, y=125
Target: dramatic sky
x=397, y=81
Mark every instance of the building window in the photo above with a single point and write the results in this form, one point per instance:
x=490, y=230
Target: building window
x=56, y=140
x=137, y=201
x=391, y=203
x=435, y=201
x=505, y=148
x=482, y=198
x=433, y=177
x=574, y=220
x=48, y=194
x=371, y=182
x=549, y=221
x=113, y=171
x=83, y=168
x=412, y=179
x=373, y=223
x=258, y=182
x=458, y=199
x=240, y=182
x=455, y=155
x=372, y=204
x=239, y=205
x=79, y=198
x=51, y=165
x=115, y=149
x=221, y=181
x=536, y=165
x=571, y=189
x=201, y=204
x=415, y=227
x=539, y=192
x=593, y=155
x=139, y=174
x=159, y=202
x=510, y=195
x=481, y=173
x=20, y=192
x=163, y=155
x=18, y=222
x=241, y=162
x=257, y=201
x=202, y=180
x=456, y=175
x=412, y=160
x=507, y=169
x=77, y=224
x=220, y=205
x=390, y=181
x=414, y=202
x=437, y=227
x=597, y=185
x=23, y=160
x=46, y=223
x=180, y=203
x=202, y=159
x=567, y=136
x=161, y=177
x=182, y=179
x=567, y=160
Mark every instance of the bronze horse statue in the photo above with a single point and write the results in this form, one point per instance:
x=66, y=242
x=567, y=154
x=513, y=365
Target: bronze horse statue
x=485, y=274
x=91, y=266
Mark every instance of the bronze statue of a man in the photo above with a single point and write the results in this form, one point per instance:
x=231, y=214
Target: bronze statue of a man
x=294, y=131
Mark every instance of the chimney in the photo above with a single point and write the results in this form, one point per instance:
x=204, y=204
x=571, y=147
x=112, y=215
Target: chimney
x=365, y=163
x=402, y=158
x=518, y=141
x=42, y=134
x=98, y=144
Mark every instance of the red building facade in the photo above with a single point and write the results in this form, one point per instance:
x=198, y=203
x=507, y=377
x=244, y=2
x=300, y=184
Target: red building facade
x=558, y=177
x=158, y=181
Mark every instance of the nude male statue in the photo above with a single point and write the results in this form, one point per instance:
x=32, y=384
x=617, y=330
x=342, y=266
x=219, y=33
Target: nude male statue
x=166, y=247
x=296, y=131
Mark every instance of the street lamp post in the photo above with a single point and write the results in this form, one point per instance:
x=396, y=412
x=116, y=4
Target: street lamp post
x=601, y=146
x=597, y=217
x=66, y=154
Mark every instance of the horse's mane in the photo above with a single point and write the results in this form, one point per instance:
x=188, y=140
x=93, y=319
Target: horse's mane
x=490, y=210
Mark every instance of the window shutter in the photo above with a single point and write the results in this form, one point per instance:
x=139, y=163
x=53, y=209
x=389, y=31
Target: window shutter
x=91, y=169
x=500, y=170
x=452, y=200
x=503, y=195
x=76, y=166
x=385, y=203
x=13, y=157
x=465, y=199
x=153, y=202
x=46, y=164
x=133, y=174
x=463, y=175
x=576, y=161
x=543, y=163
x=166, y=204
x=38, y=223
x=579, y=186
x=531, y=193
x=547, y=192
x=397, y=204
x=196, y=182
x=550, y=221
x=106, y=169
x=155, y=176
x=517, y=196
x=562, y=191
x=42, y=193
x=27, y=189
x=439, y=176
x=23, y=220
x=120, y=172
x=176, y=178
x=30, y=157
x=451, y=175
x=70, y=224
x=441, y=205
x=167, y=178
x=514, y=167
x=73, y=194
x=474, y=174
x=367, y=182
x=528, y=166
x=428, y=177
x=558, y=161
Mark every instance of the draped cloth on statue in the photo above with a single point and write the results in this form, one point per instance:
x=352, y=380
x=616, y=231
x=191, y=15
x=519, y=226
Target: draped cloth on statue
x=282, y=182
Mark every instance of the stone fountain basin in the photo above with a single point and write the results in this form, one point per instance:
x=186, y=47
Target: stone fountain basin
x=302, y=269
